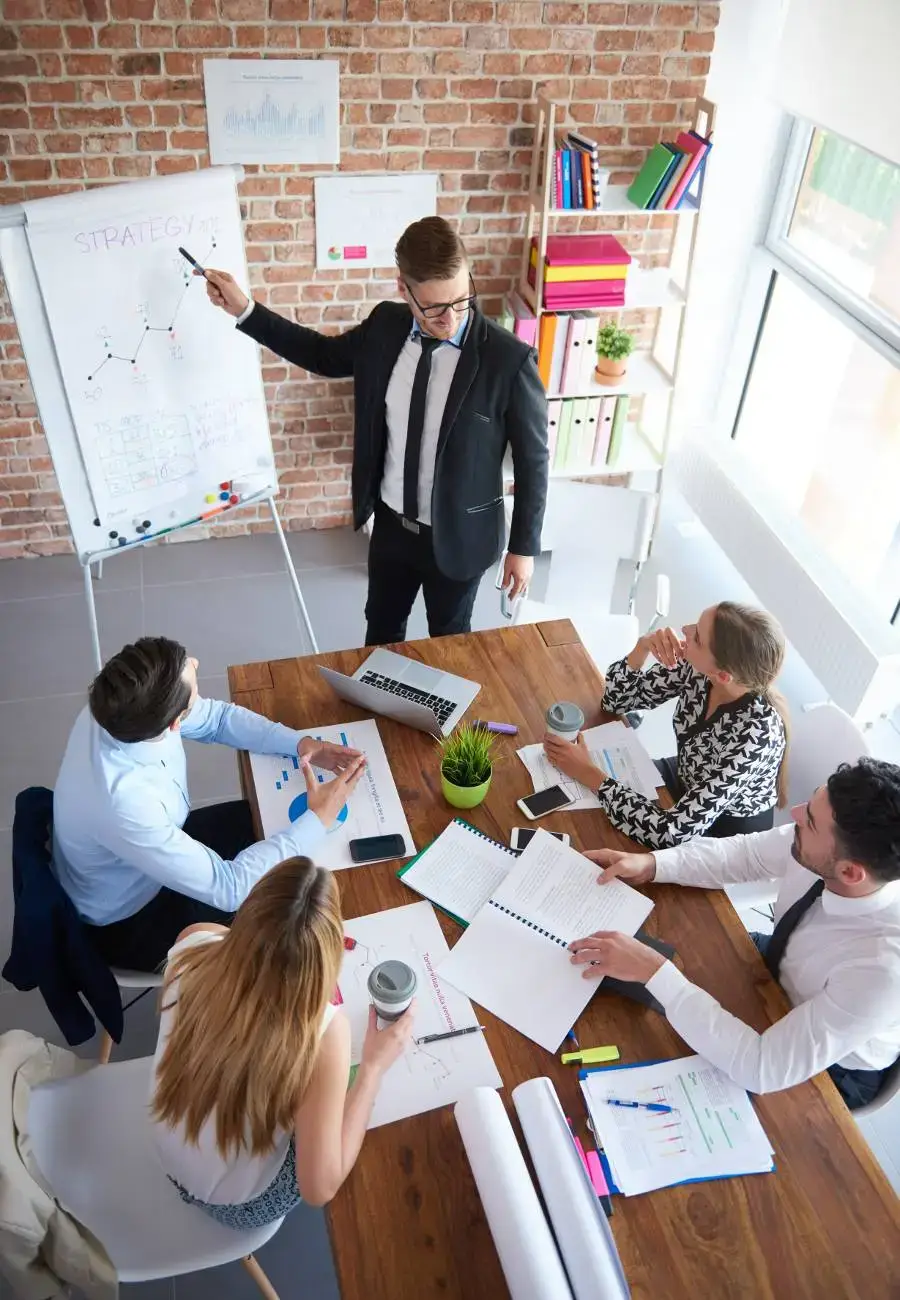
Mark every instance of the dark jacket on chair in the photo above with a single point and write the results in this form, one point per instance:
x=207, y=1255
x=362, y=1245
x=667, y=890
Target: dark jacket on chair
x=50, y=947
x=496, y=400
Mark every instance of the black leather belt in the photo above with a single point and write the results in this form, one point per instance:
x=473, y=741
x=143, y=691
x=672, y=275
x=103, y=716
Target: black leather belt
x=411, y=525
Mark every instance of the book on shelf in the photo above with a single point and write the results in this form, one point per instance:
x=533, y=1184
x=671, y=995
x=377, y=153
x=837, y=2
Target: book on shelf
x=546, y=340
x=554, y=413
x=524, y=319
x=606, y=409
x=566, y=178
x=670, y=170
x=575, y=297
x=562, y=274
x=617, y=433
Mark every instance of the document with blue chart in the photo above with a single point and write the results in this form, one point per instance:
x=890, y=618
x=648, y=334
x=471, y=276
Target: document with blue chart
x=374, y=808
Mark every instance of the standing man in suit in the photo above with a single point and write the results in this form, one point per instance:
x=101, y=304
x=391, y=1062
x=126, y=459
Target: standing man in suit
x=440, y=391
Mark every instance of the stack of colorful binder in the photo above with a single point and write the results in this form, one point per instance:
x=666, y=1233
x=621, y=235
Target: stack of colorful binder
x=581, y=271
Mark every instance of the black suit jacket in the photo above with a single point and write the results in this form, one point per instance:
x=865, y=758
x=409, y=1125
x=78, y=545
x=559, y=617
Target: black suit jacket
x=496, y=398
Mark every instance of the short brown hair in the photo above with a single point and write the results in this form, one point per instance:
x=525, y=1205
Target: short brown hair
x=429, y=249
x=141, y=690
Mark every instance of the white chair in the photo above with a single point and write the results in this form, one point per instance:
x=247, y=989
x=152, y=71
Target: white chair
x=888, y=1091
x=91, y=1140
x=606, y=637
x=127, y=979
x=822, y=737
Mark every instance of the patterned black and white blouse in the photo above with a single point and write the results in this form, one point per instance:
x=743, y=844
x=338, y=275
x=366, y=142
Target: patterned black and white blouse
x=726, y=764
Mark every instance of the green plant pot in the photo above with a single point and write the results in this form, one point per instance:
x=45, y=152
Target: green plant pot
x=464, y=796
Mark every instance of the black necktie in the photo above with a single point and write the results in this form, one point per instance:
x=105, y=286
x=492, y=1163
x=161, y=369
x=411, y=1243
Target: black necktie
x=788, y=924
x=415, y=429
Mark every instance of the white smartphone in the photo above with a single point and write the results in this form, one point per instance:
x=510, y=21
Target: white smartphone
x=522, y=836
x=544, y=801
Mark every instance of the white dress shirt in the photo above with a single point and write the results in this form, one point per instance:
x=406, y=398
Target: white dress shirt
x=119, y=809
x=840, y=971
x=397, y=400
x=396, y=403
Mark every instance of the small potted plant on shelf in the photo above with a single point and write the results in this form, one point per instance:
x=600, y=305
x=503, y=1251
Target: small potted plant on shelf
x=613, y=350
x=466, y=766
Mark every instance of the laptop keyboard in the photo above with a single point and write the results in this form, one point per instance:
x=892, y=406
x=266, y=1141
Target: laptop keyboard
x=440, y=708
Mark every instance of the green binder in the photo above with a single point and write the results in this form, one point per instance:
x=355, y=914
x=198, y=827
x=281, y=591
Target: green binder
x=563, y=449
x=646, y=183
x=618, y=429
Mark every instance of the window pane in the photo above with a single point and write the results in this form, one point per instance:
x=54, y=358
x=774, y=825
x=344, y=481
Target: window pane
x=847, y=219
x=820, y=423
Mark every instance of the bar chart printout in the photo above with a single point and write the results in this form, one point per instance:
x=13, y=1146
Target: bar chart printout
x=272, y=110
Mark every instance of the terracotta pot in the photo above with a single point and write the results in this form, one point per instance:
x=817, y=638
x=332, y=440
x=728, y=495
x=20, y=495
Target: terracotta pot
x=610, y=372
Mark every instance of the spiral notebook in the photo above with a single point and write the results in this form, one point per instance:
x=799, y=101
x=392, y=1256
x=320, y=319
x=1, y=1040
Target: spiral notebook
x=513, y=959
x=459, y=871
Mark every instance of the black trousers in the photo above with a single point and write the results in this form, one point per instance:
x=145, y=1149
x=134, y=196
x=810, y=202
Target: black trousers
x=400, y=563
x=726, y=825
x=140, y=942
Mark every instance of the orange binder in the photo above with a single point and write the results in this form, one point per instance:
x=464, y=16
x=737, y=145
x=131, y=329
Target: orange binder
x=546, y=339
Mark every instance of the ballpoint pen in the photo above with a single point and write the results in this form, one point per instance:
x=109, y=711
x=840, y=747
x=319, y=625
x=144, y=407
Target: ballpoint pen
x=656, y=1107
x=451, y=1033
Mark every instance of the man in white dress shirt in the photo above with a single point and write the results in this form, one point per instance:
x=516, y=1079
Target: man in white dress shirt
x=136, y=862
x=835, y=948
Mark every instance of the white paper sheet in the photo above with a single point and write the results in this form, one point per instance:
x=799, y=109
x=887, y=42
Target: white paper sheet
x=359, y=218
x=460, y=870
x=513, y=959
x=434, y=1074
x=165, y=396
x=585, y=1237
x=614, y=748
x=525, y=1245
x=272, y=110
x=713, y=1131
x=374, y=808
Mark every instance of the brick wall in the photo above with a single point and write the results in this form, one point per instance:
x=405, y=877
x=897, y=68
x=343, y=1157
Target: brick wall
x=97, y=91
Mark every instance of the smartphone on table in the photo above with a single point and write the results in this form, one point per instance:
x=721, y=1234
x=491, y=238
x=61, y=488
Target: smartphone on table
x=522, y=836
x=546, y=801
x=377, y=848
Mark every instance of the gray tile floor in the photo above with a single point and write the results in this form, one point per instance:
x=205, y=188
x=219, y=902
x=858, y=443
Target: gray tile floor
x=230, y=601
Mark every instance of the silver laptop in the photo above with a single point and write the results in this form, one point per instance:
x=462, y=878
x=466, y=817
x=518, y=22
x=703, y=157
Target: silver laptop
x=407, y=691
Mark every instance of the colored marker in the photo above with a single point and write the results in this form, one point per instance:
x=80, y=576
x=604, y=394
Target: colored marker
x=502, y=728
x=201, y=270
x=452, y=1033
x=653, y=1106
x=590, y=1056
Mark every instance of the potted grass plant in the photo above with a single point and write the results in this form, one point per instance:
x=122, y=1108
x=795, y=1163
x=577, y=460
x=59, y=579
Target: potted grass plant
x=466, y=766
x=614, y=347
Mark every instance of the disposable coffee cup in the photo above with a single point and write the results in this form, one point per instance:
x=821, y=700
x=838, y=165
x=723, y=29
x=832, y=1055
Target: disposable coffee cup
x=392, y=986
x=564, y=719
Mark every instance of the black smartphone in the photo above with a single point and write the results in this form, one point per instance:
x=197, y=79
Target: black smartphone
x=522, y=836
x=545, y=801
x=376, y=848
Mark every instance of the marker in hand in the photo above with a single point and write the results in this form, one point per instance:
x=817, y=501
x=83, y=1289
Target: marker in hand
x=200, y=270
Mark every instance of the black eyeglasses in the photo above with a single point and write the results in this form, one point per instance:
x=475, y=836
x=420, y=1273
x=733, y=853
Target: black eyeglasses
x=436, y=309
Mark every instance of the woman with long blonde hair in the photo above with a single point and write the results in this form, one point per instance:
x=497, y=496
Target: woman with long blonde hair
x=731, y=727
x=249, y=1096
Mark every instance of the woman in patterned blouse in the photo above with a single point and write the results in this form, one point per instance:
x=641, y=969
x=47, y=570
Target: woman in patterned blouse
x=730, y=725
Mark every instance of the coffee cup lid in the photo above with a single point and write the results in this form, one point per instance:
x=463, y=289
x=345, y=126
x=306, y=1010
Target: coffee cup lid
x=392, y=981
x=566, y=715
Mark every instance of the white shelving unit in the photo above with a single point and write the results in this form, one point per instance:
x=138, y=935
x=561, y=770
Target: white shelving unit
x=652, y=374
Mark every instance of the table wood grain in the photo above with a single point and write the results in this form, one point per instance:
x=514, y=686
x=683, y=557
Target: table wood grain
x=408, y=1224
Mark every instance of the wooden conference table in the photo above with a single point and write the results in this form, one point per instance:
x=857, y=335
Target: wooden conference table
x=408, y=1224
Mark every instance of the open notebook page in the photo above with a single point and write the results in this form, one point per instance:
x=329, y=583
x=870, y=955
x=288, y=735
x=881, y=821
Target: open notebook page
x=513, y=959
x=555, y=888
x=460, y=870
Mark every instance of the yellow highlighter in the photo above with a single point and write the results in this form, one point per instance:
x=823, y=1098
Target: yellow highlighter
x=590, y=1056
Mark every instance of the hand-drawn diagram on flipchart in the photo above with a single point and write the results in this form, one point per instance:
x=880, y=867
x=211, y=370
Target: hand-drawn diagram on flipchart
x=165, y=395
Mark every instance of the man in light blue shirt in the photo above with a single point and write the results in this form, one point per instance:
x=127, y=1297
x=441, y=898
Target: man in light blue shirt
x=136, y=862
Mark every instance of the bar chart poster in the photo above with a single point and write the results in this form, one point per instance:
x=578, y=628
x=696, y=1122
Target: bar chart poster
x=272, y=110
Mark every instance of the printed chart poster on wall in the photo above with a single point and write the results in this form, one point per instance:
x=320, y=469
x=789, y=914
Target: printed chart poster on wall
x=360, y=218
x=165, y=395
x=272, y=110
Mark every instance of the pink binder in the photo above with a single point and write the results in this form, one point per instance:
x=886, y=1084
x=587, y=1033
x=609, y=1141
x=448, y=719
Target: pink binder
x=572, y=363
x=697, y=148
